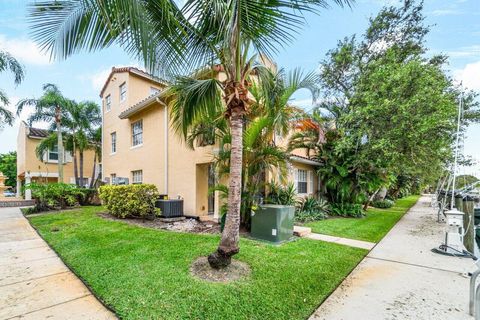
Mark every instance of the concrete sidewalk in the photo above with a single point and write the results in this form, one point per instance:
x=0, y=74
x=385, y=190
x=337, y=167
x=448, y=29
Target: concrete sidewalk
x=34, y=282
x=402, y=279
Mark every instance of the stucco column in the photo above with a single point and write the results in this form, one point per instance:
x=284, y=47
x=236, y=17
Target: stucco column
x=216, y=206
x=19, y=187
x=28, y=192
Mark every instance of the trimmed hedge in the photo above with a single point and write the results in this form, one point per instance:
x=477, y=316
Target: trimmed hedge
x=51, y=196
x=135, y=200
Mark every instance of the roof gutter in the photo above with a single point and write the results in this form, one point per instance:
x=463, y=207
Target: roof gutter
x=305, y=161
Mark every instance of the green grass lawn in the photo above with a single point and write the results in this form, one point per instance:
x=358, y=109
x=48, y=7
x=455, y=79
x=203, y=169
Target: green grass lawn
x=373, y=227
x=144, y=274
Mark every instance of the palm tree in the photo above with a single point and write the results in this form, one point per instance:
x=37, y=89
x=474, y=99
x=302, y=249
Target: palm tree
x=80, y=120
x=217, y=33
x=50, y=107
x=9, y=63
x=95, y=138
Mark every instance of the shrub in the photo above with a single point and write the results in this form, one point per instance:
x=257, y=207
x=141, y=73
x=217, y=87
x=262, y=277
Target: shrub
x=284, y=195
x=135, y=200
x=311, y=209
x=54, y=195
x=354, y=210
x=383, y=204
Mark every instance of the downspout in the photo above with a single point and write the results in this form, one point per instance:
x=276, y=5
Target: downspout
x=166, y=143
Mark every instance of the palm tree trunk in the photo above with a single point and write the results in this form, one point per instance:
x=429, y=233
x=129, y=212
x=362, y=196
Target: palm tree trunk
x=82, y=184
x=59, y=144
x=75, y=167
x=231, y=233
x=92, y=180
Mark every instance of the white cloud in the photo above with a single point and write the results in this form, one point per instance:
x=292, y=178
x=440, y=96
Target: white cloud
x=469, y=76
x=24, y=50
x=446, y=12
x=470, y=51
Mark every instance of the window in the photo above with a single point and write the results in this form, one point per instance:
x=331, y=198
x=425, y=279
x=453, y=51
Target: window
x=108, y=102
x=123, y=92
x=137, y=176
x=137, y=133
x=154, y=90
x=113, y=137
x=302, y=181
x=113, y=178
x=53, y=154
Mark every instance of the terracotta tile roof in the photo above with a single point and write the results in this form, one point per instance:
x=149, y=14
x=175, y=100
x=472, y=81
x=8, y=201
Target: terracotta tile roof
x=38, y=133
x=142, y=104
x=133, y=70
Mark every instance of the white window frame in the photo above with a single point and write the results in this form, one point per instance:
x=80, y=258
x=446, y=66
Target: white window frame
x=113, y=176
x=108, y=103
x=137, y=176
x=123, y=92
x=113, y=142
x=49, y=151
x=137, y=137
x=302, y=177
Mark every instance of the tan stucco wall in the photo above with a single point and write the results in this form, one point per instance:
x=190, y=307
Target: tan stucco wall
x=150, y=157
x=28, y=162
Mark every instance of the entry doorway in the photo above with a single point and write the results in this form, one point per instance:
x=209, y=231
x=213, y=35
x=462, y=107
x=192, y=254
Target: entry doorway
x=211, y=184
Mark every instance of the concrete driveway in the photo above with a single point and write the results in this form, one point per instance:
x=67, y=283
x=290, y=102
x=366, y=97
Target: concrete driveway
x=34, y=282
x=402, y=279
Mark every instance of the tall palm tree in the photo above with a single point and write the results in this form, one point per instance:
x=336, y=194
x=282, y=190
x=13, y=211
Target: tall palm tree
x=9, y=63
x=170, y=40
x=95, y=138
x=50, y=107
x=80, y=120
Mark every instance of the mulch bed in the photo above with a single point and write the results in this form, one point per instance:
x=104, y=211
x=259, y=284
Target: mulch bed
x=189, y=225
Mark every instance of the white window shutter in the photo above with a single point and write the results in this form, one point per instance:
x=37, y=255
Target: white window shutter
x=310, y=182
x=295, y=178
x=45, y=157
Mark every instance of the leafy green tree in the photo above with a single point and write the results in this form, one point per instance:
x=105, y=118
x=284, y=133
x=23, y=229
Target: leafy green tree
x=50, y=107
x=219, y=34
x=395, y=110
x=8, y=166
x=9, y=63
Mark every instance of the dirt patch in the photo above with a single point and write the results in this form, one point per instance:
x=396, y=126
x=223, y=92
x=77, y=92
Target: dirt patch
x=428, y=226
x=237, y=270
x=189, y=225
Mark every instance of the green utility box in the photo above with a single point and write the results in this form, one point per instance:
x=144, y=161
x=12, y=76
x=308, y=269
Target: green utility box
x=272, y=222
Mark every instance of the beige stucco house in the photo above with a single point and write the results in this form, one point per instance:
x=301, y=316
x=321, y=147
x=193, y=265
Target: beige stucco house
x=45, y=170
x=140, y=146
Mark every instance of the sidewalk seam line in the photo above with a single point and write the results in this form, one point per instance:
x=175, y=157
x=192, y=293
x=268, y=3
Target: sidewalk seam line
x=413, y=265
x=18, y=262
x=51, y=306
x=33, y=279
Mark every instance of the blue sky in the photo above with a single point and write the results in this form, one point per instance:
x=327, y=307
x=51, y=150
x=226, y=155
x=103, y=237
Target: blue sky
x=455, y=31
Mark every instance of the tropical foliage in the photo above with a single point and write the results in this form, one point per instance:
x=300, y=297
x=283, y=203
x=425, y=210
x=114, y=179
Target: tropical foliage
x=9, y=63
x=52, y=196
x=224, y=36
x=50, y=107
x=391, y=111
x=8, y=166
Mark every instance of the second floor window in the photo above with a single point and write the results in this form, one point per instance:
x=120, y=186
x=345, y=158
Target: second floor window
x=137, y=133
x=108, y=103
x=123, y=92
x=53, y=154
x=113, y=137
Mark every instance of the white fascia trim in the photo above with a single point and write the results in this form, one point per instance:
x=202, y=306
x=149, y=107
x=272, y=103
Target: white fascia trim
x=42, y=174
x=305, y=161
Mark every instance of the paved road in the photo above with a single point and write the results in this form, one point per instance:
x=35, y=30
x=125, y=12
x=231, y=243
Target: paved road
x=402, y=279
x=34, y=282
